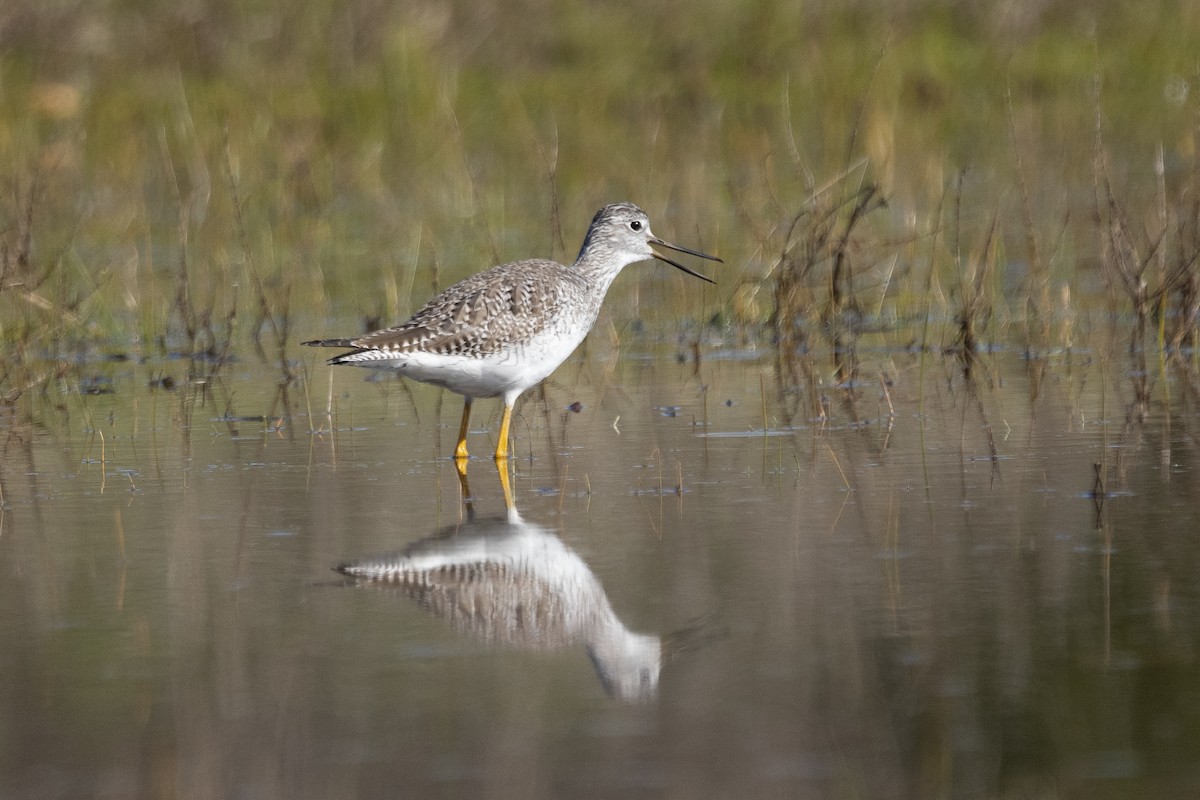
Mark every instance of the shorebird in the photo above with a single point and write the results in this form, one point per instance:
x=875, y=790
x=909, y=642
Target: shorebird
x=501, y=331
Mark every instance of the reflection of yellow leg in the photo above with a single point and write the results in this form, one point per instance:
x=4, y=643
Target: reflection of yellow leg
x=460, y=450
x=505, y=486
x=460, y=466
x=502, y=445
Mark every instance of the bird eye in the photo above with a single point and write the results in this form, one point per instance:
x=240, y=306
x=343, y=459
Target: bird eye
x=636, y=225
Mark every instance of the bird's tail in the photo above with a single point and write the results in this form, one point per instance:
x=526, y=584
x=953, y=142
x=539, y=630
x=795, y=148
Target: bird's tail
x=329, y=343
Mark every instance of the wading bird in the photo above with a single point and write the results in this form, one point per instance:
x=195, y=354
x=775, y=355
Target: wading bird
x=501, y=331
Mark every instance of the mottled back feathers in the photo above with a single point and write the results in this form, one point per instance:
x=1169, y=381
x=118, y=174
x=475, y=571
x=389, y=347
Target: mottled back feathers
x=481, y=315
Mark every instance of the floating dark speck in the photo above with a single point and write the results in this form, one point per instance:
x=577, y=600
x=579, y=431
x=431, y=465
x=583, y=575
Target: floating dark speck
x=576, y=407
x=96, y=385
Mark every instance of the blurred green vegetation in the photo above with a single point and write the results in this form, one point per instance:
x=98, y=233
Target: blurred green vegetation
x=336, y=162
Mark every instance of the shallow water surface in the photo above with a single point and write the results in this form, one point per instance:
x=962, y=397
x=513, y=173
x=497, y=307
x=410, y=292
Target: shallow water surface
x=702, y=588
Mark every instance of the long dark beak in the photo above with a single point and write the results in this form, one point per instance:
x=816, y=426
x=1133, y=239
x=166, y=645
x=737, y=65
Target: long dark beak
x=679, y=266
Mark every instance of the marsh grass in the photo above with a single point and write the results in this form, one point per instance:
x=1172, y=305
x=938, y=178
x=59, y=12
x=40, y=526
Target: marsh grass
x=221, y=184
x=42, y=323
x=1148, y=256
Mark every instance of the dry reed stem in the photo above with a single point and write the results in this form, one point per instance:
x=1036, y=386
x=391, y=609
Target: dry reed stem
x=1037, y=301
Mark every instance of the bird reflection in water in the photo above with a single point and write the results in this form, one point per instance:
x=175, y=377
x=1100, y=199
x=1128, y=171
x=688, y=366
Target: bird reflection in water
x=511, y=582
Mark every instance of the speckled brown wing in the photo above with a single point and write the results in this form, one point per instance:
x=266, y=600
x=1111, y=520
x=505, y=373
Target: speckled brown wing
x=484, y=313
x=494, y=602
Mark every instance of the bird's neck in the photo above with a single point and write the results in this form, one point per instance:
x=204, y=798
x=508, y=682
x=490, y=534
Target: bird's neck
x=600, y=265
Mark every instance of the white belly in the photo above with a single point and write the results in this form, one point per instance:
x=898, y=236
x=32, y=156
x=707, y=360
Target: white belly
x=509, y=372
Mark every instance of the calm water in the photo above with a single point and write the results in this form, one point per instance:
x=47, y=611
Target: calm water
x=705, y=589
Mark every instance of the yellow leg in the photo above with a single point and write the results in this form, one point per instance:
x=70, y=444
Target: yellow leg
x=502, y=445
x=460, y=450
